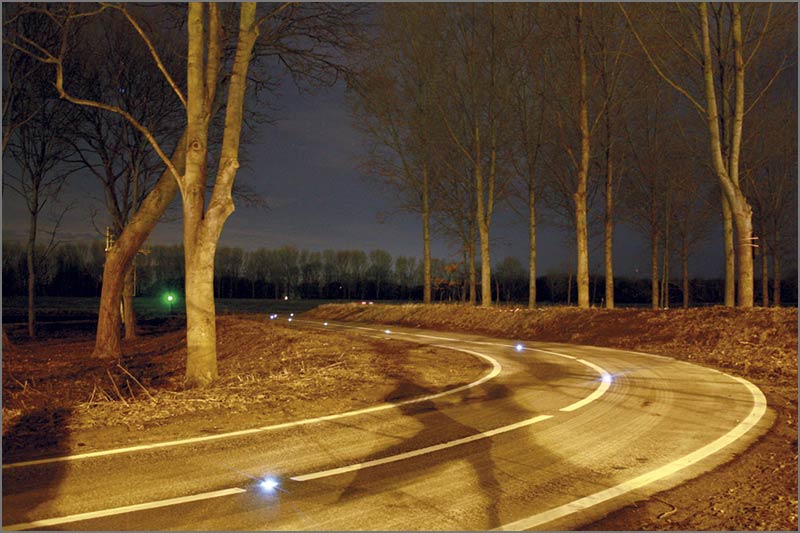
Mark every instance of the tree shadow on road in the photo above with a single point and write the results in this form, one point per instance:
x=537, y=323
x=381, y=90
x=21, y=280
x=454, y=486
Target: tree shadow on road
x=438, y=427
x=40, y=433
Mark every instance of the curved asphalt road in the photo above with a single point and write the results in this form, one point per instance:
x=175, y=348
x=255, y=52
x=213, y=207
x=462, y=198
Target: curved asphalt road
x=551, y=437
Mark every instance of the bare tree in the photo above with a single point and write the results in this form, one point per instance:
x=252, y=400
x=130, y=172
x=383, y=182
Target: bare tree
x=303, y=39
x=38, y=149
x=769, y=171
x=122, y=160
x=530, y=106
x=695, y=79
x=479, y=72
x=392, y=105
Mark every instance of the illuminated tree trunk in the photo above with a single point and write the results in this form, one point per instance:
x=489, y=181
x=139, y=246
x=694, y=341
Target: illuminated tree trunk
x=608, y=244
x=120, y=256
x=685, y=271
x=730, y=253
x=473, y=273
x=129, y=317
x=486, y=268
x=426, y=238
x=728, y=175
x=31, y=257
x=202, y=229
x=654, y=239
x=581, y=224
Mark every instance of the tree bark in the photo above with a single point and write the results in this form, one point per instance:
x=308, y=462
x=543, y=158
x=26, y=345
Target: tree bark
x=685, y=271
x=118, y=258
x=654, y=269
x=608, y=246
x=729, y=177
x=581, y=224
x=426, y=238
x=31, y=257
x=202, y=229
x=473, y=273
x=483, y=225
x=665, y=263
x=127, y=303
x=730, y=253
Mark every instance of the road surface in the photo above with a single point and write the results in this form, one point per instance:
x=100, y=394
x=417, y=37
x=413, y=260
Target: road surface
x=552, y=436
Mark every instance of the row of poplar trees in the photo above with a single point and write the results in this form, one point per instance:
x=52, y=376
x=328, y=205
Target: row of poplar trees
x=461, y=103
x=465, y=106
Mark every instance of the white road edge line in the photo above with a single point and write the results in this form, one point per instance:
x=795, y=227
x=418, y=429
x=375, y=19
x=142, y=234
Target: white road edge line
x=758, y=410
x=496, y=368
x=421, y=451
x=121, y=510
x=605, y=383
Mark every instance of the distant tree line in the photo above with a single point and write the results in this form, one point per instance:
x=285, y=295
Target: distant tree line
x=75, y=269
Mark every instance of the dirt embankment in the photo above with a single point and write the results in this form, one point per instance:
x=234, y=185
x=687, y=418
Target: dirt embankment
x=755, y=342
x=755, y=491
x=269, y=371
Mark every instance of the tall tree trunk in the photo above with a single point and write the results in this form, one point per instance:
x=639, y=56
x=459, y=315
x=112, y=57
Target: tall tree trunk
x=483, y=226
x=654, y=240
x=581, y=223
x=473, y=272
x=202, y=229
x=531, y=244
x=486, y=269
x=31, y=257
x=201, y=333
x=730, y=253
x=129, y=315
x=685, y=271
x=608, y=243
x=728, y=175
x=725, y=146
x=426, y=238
x=121, y=255
x=743, y=219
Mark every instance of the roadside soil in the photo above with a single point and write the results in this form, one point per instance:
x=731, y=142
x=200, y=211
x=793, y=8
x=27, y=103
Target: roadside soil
x=757, y=490
x=57, y=400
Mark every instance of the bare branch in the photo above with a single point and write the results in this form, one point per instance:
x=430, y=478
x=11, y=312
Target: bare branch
x=149, y=43
x=654, y=64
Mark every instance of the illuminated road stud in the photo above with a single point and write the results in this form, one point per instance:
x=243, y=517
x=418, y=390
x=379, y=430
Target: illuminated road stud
x=324, y=323
x=519, y=347
x=269, y=484
x=387, y=331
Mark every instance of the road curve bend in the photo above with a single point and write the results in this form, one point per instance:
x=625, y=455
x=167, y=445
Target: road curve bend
x=553, y=436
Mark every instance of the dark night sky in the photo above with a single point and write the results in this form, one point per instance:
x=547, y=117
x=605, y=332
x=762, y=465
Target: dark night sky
x=306, y=166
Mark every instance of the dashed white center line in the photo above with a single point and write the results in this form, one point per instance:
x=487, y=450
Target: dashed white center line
x=122, y=510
